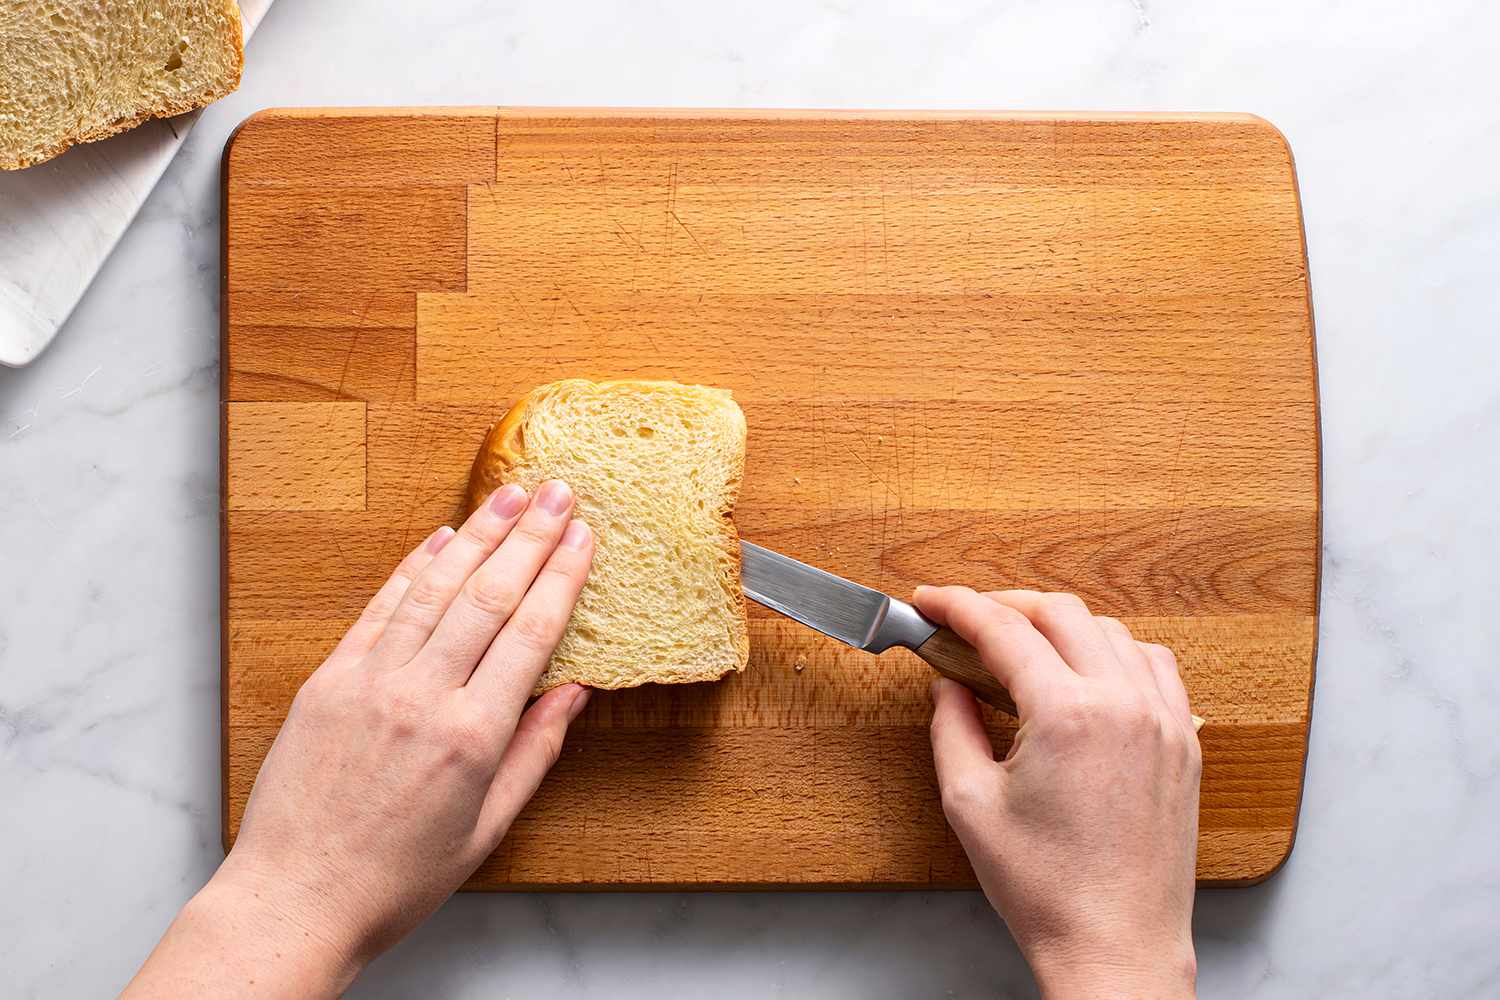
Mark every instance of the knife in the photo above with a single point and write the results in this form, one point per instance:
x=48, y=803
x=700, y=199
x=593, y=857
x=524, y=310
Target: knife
x=863, y=618
x=866, y=619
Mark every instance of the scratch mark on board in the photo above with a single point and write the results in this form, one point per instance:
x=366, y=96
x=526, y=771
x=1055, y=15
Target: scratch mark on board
x=625, y=237
x=359, y=325
x=1177, y=478
x=689, y=232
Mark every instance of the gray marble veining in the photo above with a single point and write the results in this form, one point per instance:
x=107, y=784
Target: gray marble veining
x=109, y=769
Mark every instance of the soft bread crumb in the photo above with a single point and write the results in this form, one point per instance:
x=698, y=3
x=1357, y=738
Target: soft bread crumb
x=75, y=71
x=656, y=469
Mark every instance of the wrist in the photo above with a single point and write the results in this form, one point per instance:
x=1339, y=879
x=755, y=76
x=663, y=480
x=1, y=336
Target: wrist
x=262, y=916
x=1162, y=971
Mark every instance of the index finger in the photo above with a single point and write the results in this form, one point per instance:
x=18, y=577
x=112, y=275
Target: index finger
x=1071, y=628
x=366, y=631
x=516, y=660
x=1010, y=647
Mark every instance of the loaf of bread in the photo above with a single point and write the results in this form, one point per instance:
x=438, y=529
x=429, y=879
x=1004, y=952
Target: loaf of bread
x=74, y=71
x=656, y=468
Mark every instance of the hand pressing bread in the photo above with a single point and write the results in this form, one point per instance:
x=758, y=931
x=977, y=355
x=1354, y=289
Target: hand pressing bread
x=403, y=762
x=75, y=71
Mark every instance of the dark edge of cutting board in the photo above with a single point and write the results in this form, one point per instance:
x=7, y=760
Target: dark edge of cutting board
x=1312, y=667
x=224, y=840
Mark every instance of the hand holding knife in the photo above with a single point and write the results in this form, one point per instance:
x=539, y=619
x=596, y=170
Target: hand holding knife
x=866, y=619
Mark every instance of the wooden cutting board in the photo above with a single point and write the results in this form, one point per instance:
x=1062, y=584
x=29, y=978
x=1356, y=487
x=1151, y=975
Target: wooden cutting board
x=1066, y=352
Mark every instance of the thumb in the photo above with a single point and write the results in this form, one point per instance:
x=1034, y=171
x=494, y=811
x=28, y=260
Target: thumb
x=960, y=746
x=533, y=749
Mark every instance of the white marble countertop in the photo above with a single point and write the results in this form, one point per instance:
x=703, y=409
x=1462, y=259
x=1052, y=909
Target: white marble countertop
x=109, y=742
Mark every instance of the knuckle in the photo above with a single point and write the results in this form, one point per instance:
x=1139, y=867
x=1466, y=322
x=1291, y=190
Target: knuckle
x=492, y=596
x=1111, y=624
x=999, y=625
x=536, y=534
x=469, y=743
x=935, y=727
x=405, y=571
x=426, y=595
x=535, y=630
x=1095, y=713
x=1004, y=614
x=473, y=532
x=551, y=743
x=1075, y=712
x=1194, y=755
x=1060, y=608
x=401, y=710
x=1062, y=599
x=1183, y=743
x=1186, y=738
x=1182, y=750
x=313, y=688
x=376, y=612
x=1133, y=713
x=989, y=635
x=966, y=795
x=566, y=563
x=315, y=697
x=1161, y=654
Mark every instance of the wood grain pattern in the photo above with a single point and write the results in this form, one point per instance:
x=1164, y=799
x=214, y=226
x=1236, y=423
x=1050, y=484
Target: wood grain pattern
x=294, y=456
x=300, y=345
x=1058, y=351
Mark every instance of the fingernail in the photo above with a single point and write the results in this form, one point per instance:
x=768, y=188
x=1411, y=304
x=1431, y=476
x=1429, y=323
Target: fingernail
x=916, y=595
x=579, y=701
x=438, y=539
x=554, y=497
x=577, y=535
x=508, y=500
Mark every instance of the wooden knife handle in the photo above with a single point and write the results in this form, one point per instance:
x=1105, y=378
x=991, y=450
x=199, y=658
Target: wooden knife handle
x=954, y=658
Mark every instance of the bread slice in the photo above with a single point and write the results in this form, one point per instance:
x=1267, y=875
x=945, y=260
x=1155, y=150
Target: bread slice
x=656, y=468
x=74, y=71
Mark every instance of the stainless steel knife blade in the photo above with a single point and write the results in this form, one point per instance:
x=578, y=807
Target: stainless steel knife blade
x=864, y=618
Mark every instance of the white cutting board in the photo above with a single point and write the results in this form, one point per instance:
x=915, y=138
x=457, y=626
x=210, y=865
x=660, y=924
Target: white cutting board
x=60, y=219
